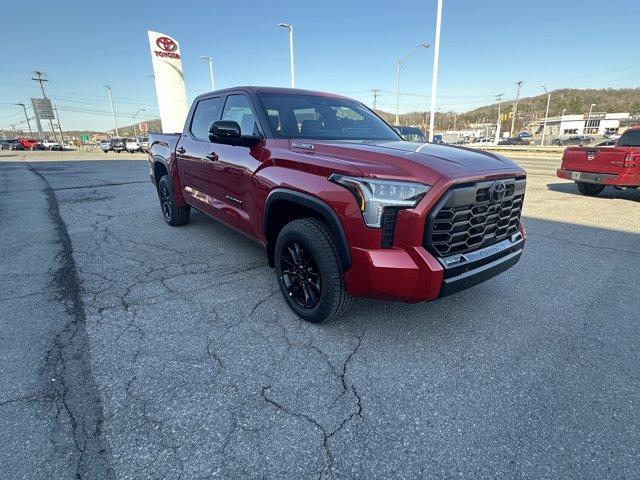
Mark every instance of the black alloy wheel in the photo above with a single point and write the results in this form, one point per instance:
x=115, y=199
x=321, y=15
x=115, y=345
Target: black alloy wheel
x=300, y=275
x=309, y=271
x=165, y=201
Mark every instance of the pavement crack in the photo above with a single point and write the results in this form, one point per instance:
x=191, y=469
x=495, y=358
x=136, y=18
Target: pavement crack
x=67, y=371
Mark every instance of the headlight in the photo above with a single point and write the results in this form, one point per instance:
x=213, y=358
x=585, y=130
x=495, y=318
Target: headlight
x=374, y=195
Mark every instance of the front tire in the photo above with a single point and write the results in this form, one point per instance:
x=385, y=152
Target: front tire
x=309, y=271
x=589, y=189
x=173, y=214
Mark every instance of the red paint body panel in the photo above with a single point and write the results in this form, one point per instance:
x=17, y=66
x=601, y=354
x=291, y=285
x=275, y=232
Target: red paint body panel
x=235, y=186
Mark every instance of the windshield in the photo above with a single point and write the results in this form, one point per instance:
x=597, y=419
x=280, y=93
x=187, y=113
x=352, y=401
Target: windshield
x=630, y=139
x=318, y=118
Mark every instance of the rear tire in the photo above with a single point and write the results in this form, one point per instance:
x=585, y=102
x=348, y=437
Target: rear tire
x=309, y=271
x=589, y=189
x=173, y=214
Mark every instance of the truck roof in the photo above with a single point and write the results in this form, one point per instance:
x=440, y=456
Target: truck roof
x=280, y=90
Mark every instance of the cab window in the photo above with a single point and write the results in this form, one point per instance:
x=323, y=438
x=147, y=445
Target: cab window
x=206, y=112
x=238, y=109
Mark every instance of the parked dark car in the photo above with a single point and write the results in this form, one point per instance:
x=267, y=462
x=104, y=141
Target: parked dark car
x=411, y=134
x=514, y=141
x=12, y=144
x=572, y=140
x=118, y=144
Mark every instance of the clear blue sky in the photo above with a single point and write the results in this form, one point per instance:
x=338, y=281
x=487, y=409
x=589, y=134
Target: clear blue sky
x=342, y=46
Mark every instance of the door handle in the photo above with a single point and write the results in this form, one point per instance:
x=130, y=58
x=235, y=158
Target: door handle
x=180, y=150
x=212, y=157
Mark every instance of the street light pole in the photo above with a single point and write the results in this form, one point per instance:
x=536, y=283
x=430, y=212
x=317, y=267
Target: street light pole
x=113, y=112
x=546, y=115
x=584, y=130
x=210, y=60
x=399, y=65
x=26, y=117
x=293, y=72
x=434, y=78
x=135, y=130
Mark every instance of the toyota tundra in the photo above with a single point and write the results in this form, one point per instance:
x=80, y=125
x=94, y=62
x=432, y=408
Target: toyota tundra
x=342, y=204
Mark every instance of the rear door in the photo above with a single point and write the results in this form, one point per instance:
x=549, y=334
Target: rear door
x=191, y=154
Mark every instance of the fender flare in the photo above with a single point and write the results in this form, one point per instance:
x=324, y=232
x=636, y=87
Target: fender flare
x=321, y=208
x=173, y=176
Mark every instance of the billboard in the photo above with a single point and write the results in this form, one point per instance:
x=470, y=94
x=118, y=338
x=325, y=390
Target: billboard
x=43, y=108
x=169, y=80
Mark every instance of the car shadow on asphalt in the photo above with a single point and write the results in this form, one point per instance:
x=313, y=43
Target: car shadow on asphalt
x=609, y=193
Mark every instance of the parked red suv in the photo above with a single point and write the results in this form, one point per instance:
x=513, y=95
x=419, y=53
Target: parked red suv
x=341, y=203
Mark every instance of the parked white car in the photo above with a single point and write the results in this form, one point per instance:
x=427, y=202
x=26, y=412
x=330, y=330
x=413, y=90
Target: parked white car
x=132, y=145
x=105, y=145
x=50, y=145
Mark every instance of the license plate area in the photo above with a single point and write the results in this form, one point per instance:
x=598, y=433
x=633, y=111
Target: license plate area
x=575, y=175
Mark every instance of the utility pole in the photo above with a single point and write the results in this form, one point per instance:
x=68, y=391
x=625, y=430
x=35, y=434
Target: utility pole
x=55, y=109
x=135, y=129
x=434, y=78
x=375, y=99
x=497, y=136
x=515, y=107
x=586, y=125
x=40, y=79
x=26, y=117
x=113, y=112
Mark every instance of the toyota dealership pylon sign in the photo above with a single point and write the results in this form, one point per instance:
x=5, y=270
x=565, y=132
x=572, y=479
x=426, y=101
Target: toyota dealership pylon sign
x=170, y=90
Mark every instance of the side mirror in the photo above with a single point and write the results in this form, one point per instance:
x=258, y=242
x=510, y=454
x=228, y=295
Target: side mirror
x=224, y=130
x=230, y=133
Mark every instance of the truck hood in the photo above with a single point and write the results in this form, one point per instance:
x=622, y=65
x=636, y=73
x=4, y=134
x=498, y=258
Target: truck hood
x=401, y=160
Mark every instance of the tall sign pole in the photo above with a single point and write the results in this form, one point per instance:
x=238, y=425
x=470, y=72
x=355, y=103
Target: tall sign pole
x=434, y=79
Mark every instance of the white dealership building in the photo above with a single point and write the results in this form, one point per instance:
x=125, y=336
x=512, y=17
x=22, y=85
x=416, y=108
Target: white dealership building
x=598, y=123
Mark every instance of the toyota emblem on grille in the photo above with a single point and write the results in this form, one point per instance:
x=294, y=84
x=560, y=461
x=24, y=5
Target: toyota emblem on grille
x=497, y=192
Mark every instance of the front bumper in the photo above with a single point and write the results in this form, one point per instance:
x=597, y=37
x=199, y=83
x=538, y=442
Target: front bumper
x=413, y=275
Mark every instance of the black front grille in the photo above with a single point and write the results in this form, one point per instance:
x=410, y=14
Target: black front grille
x=466, y=219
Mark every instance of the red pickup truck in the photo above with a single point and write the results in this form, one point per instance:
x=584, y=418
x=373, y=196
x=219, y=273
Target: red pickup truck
x=342, y=205
x=593, y=168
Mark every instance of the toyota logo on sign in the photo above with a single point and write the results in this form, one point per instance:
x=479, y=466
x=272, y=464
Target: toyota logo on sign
x=497, y=192
x=166, y=44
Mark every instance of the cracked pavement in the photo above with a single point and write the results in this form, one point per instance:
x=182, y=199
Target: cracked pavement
x=130, y=349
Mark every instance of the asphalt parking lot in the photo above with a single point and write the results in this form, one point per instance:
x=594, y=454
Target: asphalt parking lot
x=129, y=349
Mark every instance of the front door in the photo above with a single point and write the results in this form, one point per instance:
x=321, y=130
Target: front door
x=191, y=154
x=234, y=166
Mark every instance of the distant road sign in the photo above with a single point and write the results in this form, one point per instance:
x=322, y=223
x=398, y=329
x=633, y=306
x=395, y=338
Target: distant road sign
x=43, y=108
x=84, y=138
x=144, y=128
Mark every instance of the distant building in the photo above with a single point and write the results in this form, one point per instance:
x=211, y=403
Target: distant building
x=598, y=123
